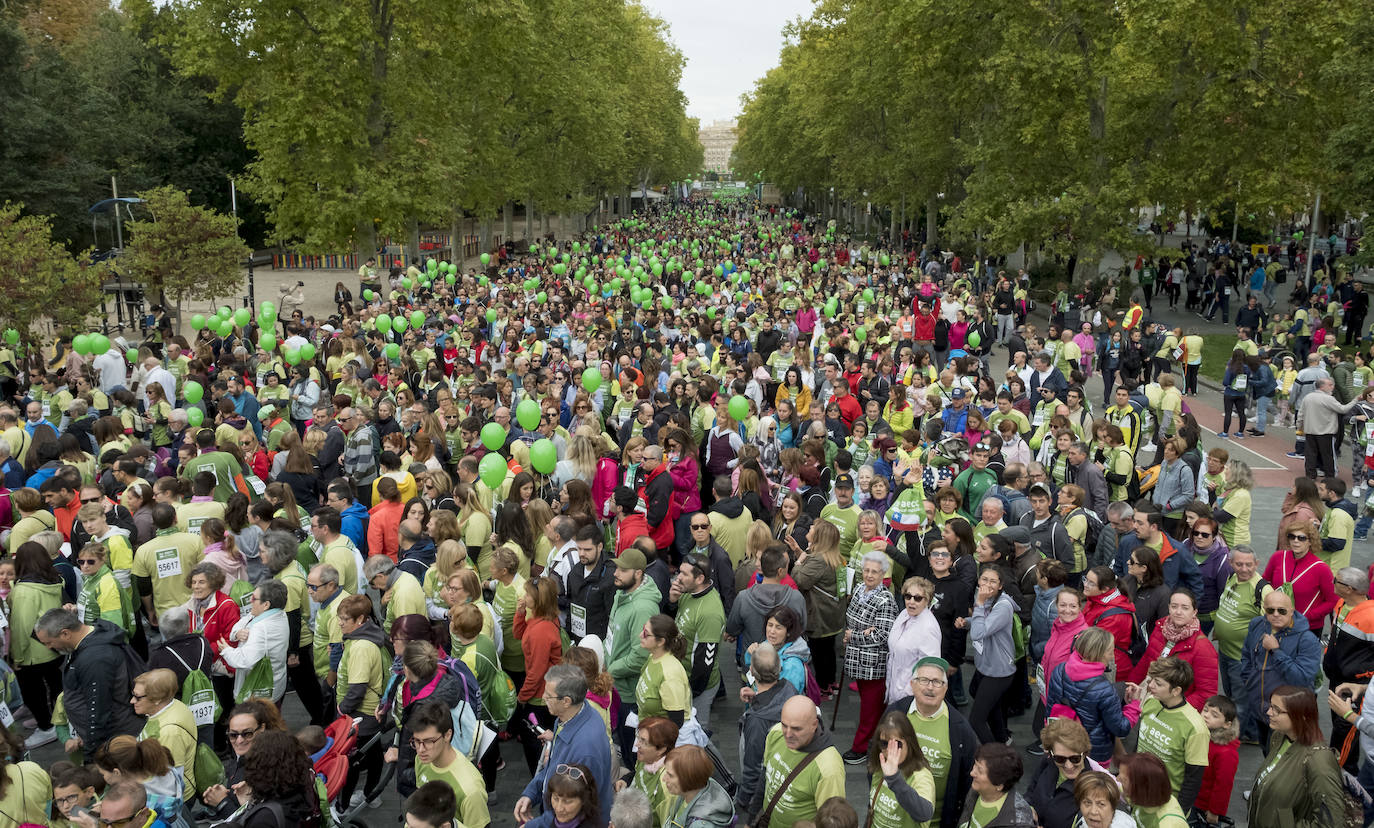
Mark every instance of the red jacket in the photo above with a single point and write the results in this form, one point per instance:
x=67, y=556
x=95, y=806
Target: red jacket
x=542, y=645
x=925, y=322
x=850, y=410
x=1314, y=587
x=1118, y=624
x=1215, y=794
x=1196, y=650
x=384, y=529
x=658, y=497
x=217, y=622
x=628, y=529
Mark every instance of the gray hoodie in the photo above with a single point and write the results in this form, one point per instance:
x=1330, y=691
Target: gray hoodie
x=711, y=808
x=752, y=607
x=759, y=717
x=990, y=635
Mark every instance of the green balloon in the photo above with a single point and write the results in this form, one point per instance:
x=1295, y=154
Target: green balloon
x=226, y=327
x=493, y=436
x=868, y=295
x=417, y=319
x=268, y=316
x=307, y=352
x=492, y=470
x=486, y=259
x=194, y=417
x=225, y=312
x=242, y=317
x=293, y=356
x=591, y=379
x=100, y=343
x=12, y=336
x=368, y=295
x=861, y=333
x=541, y=297
x=974, y=339
x=830, y=311
x=534, y=248
x=399, y=323
x=884, y=260
x=197, y=322
x=491, y=314
x=193, y=392
x=81, y=344
x=666, y=302
x=131, y=355
x=392, y=350
x=384, y=323
x=267, y=342
x=527, y=414
x=739, y=408
x=451, y=277
x=543, y=456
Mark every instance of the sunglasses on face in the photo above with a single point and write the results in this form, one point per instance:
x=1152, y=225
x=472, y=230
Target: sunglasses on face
x=1296, y=537
x=90, y=500
x=1075, y=759
x=914, y=596
x=1276, y=610
x=1202, y=534
x=87, y=561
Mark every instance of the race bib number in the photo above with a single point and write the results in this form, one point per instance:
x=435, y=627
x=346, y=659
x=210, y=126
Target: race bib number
x=168, y=562
x=81, y=613
x=255, y=482
x=578, y=615
x=1039, y=418
x=195, y=522
x=1240, y=382
x=203, y=707
x=6, y=715
x=47, y=409
x=1177, y=354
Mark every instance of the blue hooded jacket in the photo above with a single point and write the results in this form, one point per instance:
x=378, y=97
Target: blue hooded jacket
x=1295, y=662
x=355, y=525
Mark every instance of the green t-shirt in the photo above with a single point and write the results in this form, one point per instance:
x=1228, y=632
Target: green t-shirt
x=1238, y=504
x=408, y=598
x=887, y=813
x=298, y=598
x=468, y=788
x=933, y=736
x=362, y=663
x=167, y=559
x=1337, y=523
x=846, y=520
x=504, y=601
x=821, y=779
x=1177, y=736
x=984, y=812
x=652, y=786
x=338, y=553
x=701, y=620
x=662, y=687
x=327, y=632
x=1238, y=605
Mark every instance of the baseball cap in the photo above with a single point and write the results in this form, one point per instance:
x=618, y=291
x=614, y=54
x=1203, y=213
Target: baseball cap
x=957, y=394
x=1016, y=534
x=844, y=481
x=1040, y=487
x=631, y=559
x=931, y=661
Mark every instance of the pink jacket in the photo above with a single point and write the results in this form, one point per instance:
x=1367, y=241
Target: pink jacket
x=604, y=481
x=686, y=485
x=1059, y=647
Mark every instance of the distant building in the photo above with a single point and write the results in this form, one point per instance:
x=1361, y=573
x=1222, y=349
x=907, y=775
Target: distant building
x=718, y=139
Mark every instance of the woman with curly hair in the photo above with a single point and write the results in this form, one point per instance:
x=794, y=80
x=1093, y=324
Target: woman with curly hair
x=277, y=771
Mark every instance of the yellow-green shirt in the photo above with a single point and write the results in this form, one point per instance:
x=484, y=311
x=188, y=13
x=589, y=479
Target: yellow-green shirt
x=167, y=559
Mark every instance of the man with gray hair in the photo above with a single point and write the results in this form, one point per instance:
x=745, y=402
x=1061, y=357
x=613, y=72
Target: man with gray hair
x=1350, y=653
x=181, y=650
x=579, y=738
x=763, y=698
x=402, y=594
x=96, y=680
x=631, y=810
x=1319, y=419
x=1085, y=473
x=1120, y=522
x=563, y=555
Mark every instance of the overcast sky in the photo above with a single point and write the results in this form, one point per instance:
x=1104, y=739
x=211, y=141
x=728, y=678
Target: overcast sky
x=728, y=45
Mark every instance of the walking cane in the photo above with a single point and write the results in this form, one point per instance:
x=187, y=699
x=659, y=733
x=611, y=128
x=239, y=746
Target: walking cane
x=835, y=714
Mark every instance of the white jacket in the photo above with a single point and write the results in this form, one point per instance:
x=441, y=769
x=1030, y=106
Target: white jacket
x=268, y=635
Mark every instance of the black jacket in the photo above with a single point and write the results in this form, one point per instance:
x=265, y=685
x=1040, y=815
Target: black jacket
x=1053, y=802
x=963, y=744
x=181, y=655
x=97, y=680
x=759, y=717
x=594, y=592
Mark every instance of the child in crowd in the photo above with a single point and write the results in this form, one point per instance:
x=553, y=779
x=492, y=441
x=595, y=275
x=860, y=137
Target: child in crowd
x=1223, y=755
x=73, y=786
x=433, y=805
x=315, y=741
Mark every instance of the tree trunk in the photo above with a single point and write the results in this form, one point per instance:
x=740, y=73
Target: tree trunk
x=364, y=240
x=508, y=221
x=455, y=239
x=529, y=219
x=413, y=242
x=932, y=227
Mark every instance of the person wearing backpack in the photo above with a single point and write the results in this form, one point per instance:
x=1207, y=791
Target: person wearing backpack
x=97, y=678
x=1080, y=688
x=1109, y=609
x=169, y=721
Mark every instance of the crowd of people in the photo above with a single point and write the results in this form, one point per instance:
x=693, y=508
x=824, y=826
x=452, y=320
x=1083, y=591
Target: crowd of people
x=554, y=508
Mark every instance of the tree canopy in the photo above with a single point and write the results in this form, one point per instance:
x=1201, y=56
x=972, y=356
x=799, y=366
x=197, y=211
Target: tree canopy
x=1054, y=122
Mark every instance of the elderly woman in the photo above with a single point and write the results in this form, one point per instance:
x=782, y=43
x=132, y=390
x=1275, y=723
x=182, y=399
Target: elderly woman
x=992, y=798
x=1206, y=546
x=1051, y=790
x=994, y=654
x=915, y=634
x=262, y=635
x=168, y=720
x=1176, y=485
x=1098, y=797
x=868, y=622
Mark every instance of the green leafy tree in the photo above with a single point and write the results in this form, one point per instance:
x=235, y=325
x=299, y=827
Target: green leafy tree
x=183, y=251
x=44, y=285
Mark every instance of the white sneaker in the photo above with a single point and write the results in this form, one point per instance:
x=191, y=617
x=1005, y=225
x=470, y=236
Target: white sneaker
x=39, y=738
x=357, y=800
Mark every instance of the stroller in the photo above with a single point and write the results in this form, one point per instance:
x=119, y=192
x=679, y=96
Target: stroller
x=331, y=769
